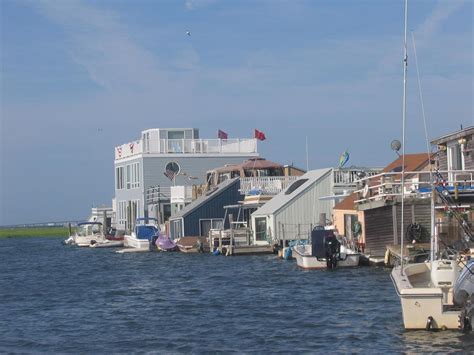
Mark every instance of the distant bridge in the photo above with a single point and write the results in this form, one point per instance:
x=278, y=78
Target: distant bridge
x=44, y=224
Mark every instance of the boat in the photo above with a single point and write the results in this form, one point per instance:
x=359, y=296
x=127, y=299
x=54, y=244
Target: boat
x=87, y=233
x=145, y=229
x=162, y=242
x=113, y=239
x=431, y=292
x=193, y=245
x=326, y=251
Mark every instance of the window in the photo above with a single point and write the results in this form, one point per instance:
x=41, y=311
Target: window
x=133, y=176
x=261, y=229
x=175, y=134
x=119, y=178
x=205, y=225
x=122, y=212
x=176, y=229
x=455, y=161
x=349, y=223
x=295, y=185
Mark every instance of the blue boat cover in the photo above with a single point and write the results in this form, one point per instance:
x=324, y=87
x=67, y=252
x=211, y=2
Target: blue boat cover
x=146, y=232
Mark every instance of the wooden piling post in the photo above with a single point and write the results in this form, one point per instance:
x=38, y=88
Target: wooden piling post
x=69, y=228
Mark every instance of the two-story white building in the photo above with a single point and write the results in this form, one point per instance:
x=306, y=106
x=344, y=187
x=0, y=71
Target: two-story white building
x=147, y=168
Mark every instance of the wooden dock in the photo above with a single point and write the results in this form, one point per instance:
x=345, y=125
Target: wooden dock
x=414, y=252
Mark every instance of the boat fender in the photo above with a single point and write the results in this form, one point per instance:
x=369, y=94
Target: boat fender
x=387, y=257
x=224, y=251
x=287, y=254
x=429, y=323
x=216, y=252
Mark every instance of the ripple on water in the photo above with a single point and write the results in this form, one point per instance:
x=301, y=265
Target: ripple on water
x=69, y=300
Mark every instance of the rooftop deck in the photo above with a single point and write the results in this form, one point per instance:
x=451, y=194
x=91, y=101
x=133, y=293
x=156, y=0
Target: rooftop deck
x=247, y=146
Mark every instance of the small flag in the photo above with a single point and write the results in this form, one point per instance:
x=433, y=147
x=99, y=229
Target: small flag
x=131, y=145
x=343, y=158
x=119, y=151
x=260, y=135
x=222, y=135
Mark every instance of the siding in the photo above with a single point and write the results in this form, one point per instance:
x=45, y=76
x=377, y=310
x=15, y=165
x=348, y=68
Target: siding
x=213, y=208
x=381, y=226
x=305, y=209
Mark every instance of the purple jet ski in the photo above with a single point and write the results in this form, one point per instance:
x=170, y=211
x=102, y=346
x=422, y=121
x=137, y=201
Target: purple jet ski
x=163, y=243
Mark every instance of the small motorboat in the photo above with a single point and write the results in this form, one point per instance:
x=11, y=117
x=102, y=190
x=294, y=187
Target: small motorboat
x=325, y=252
x=162, y=242
x=193, y=245
x=142, y=234
x=113, y=239
x=87, y=233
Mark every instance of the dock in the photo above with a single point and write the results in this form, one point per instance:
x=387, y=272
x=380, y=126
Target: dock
x=132, y=250
x=236, y=242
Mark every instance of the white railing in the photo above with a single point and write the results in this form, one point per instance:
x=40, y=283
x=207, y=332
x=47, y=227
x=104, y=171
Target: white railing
x=181, y=194
x=156, y=194
x=350, y=177
x=187, y=146
x=418, y=184
x=269, y=185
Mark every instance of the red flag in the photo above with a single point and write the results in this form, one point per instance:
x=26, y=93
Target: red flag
x=221, y=135
x=260, y=135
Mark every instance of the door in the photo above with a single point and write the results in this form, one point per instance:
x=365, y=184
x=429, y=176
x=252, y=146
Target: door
x=260, y=229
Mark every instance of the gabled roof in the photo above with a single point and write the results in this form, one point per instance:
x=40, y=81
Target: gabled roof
x=413, y=162
x=454, y=135
x=208, y=196
x=283, y=198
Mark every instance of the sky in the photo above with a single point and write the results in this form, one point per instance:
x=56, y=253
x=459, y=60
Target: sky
x=81, y=77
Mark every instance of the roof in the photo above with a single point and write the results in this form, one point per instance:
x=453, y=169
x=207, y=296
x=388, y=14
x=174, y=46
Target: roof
x=413, y=162
x=454, y=135
x=281, y=199
x=205, y=198
x=254, y=163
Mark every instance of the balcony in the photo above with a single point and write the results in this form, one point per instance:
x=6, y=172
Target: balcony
x=269, y=185
x=187, y=146
x=386, y=187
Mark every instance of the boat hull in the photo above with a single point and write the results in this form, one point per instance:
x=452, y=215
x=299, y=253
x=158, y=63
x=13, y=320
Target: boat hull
x=86, y=241
x=305, y=260
x=423, y=307
x=130, y=241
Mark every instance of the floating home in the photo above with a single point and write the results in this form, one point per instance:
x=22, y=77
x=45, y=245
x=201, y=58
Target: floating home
x=294, y=212
x=147, y=168
x=376, y=209
x=206, y=212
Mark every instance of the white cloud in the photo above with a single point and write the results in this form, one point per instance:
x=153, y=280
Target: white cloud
x=195, y=4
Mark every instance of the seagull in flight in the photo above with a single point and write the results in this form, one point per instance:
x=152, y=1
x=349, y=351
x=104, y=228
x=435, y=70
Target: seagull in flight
x=188, y=33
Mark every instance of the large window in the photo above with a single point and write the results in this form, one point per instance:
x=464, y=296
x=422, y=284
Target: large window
x=122, y=212
x=119, y=178
x=349, y=224
x=132, y=176
x=455, y=160
x=261, y=229
x=206, y=225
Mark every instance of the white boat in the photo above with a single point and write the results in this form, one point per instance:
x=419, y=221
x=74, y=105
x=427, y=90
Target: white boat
x=325, y=251
x=142, y=234
x=87, y=233
x=426, y=290
x=306, y=260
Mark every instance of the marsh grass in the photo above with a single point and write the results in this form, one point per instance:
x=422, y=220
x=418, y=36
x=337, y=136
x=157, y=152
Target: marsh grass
x=33, y=232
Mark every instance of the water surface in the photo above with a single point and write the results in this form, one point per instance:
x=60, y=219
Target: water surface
x=64, y=299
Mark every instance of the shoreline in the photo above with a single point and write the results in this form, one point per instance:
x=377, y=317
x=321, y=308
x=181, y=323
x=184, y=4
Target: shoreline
x=31, y=232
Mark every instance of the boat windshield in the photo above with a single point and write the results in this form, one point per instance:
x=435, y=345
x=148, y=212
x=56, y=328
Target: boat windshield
x=88, y=229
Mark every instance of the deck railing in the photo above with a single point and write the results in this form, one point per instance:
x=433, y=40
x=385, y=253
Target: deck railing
x=269, y=185
x=187, y=146
x=418, y=184
x=350, y=176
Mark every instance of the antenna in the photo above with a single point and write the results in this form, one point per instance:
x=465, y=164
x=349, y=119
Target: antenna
x=307, y=155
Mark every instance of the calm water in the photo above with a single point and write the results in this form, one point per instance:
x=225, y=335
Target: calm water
x=55, y=298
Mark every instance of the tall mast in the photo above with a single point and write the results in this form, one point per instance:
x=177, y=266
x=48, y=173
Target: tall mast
x=405, y=65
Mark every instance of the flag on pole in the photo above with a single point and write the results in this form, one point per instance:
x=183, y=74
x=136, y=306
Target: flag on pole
x=259, y=135
x=343, y=158
x=222, y=135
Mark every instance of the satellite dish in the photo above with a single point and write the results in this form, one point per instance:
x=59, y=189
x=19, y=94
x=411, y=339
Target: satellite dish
x=396, y=145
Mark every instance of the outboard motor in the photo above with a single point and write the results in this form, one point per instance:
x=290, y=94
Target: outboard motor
x=324, y=245
x=153, y=241
x=333, y=250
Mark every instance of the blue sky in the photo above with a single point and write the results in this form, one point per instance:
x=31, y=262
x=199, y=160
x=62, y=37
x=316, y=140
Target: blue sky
x=80, y=77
